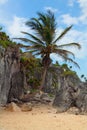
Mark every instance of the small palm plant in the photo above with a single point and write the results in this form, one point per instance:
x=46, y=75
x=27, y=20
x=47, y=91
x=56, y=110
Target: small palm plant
x=44, y=42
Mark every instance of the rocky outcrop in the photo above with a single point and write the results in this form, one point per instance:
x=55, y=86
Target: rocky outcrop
x=69, y=90
x=11, y=79
x=26, y=107
x=81, y=97
x=12, y=107
x=72, y=93
x=53, y=80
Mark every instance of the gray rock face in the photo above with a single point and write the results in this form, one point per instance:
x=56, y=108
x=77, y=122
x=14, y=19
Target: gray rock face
x=72, y=93
x=53, y=80
x=81, y=97
x=9, y=73
x=64, y=97
x=16, y=86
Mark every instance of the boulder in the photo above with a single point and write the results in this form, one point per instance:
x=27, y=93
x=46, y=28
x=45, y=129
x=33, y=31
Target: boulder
x=12, y=107
x=63, y=100
x=71, y=95
x=26, y=107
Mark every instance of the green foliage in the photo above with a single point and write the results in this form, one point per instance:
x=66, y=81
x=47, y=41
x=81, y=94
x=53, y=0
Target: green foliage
x=23, y=59
x=32, y=67
x=43, y=41
x=51, y=95
x=65, y=67
x=30, y=63
x=5, y=40
x=34, y=82
x=68, y=73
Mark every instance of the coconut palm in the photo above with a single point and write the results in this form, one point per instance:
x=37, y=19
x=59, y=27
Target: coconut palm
x=44, y=42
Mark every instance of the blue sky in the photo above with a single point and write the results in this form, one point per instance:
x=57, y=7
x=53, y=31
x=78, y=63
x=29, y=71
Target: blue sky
x=14, y=13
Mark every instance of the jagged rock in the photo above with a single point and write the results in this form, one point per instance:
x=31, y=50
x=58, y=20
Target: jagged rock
x=45, y=97
x=11, y=78
x=69, y=91
x=81, y=99
x=16, y=86
x=73, y=110
x=62, y=100
x=26, y=107
x=74, y=95
x=12, y=107
x=38, y=95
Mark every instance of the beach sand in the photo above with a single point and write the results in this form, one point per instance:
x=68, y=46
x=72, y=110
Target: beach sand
x=42, y=117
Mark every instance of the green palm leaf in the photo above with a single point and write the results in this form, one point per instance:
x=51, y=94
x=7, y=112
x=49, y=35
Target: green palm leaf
x=63, y=33
x=70, y=45
x=34, y=38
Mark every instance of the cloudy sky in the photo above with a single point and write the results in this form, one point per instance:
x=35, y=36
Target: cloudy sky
x=14, y=14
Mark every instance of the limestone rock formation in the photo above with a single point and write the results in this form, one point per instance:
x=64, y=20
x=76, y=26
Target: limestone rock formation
x=71, y=94
x=11, y=78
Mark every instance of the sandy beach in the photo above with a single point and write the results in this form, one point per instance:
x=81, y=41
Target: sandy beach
x=42, y=117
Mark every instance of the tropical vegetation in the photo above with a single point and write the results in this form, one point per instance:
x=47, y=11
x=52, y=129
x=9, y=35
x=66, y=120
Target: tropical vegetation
x=44, y=41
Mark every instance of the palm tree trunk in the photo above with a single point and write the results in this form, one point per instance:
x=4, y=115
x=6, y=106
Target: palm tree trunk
x=43, y=78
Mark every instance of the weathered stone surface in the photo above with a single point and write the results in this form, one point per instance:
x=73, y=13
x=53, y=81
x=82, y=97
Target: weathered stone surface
x=73, y=110
x=81, y=97
x=53, y=80
x=63, y=98
x=12, y=107
x=10, y=76
x=69, y=91
x=26, y=107
x=71, y=95
x=17, y=86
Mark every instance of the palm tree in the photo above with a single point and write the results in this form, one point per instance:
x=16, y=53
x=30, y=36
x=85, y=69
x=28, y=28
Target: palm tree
x=44, y=42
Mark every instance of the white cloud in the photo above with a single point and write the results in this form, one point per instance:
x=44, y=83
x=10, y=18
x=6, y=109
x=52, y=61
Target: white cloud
x=13, y=25
x=68, y=20
x=3, y=1
x=52, y=9
x=83, y=6
x=17, y=25
x=82, y=18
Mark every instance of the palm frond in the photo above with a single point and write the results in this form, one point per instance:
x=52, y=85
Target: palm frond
x=34, y=37
x=63, y=33
x=66, y=58
x=38, y=47
x=43, y=42
x=70, y=45
x=21, y=45
x=63, y=52
x=32, y=24
x=22, y=39
x=72, y=61
x=42, y=17
x=35, y=24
